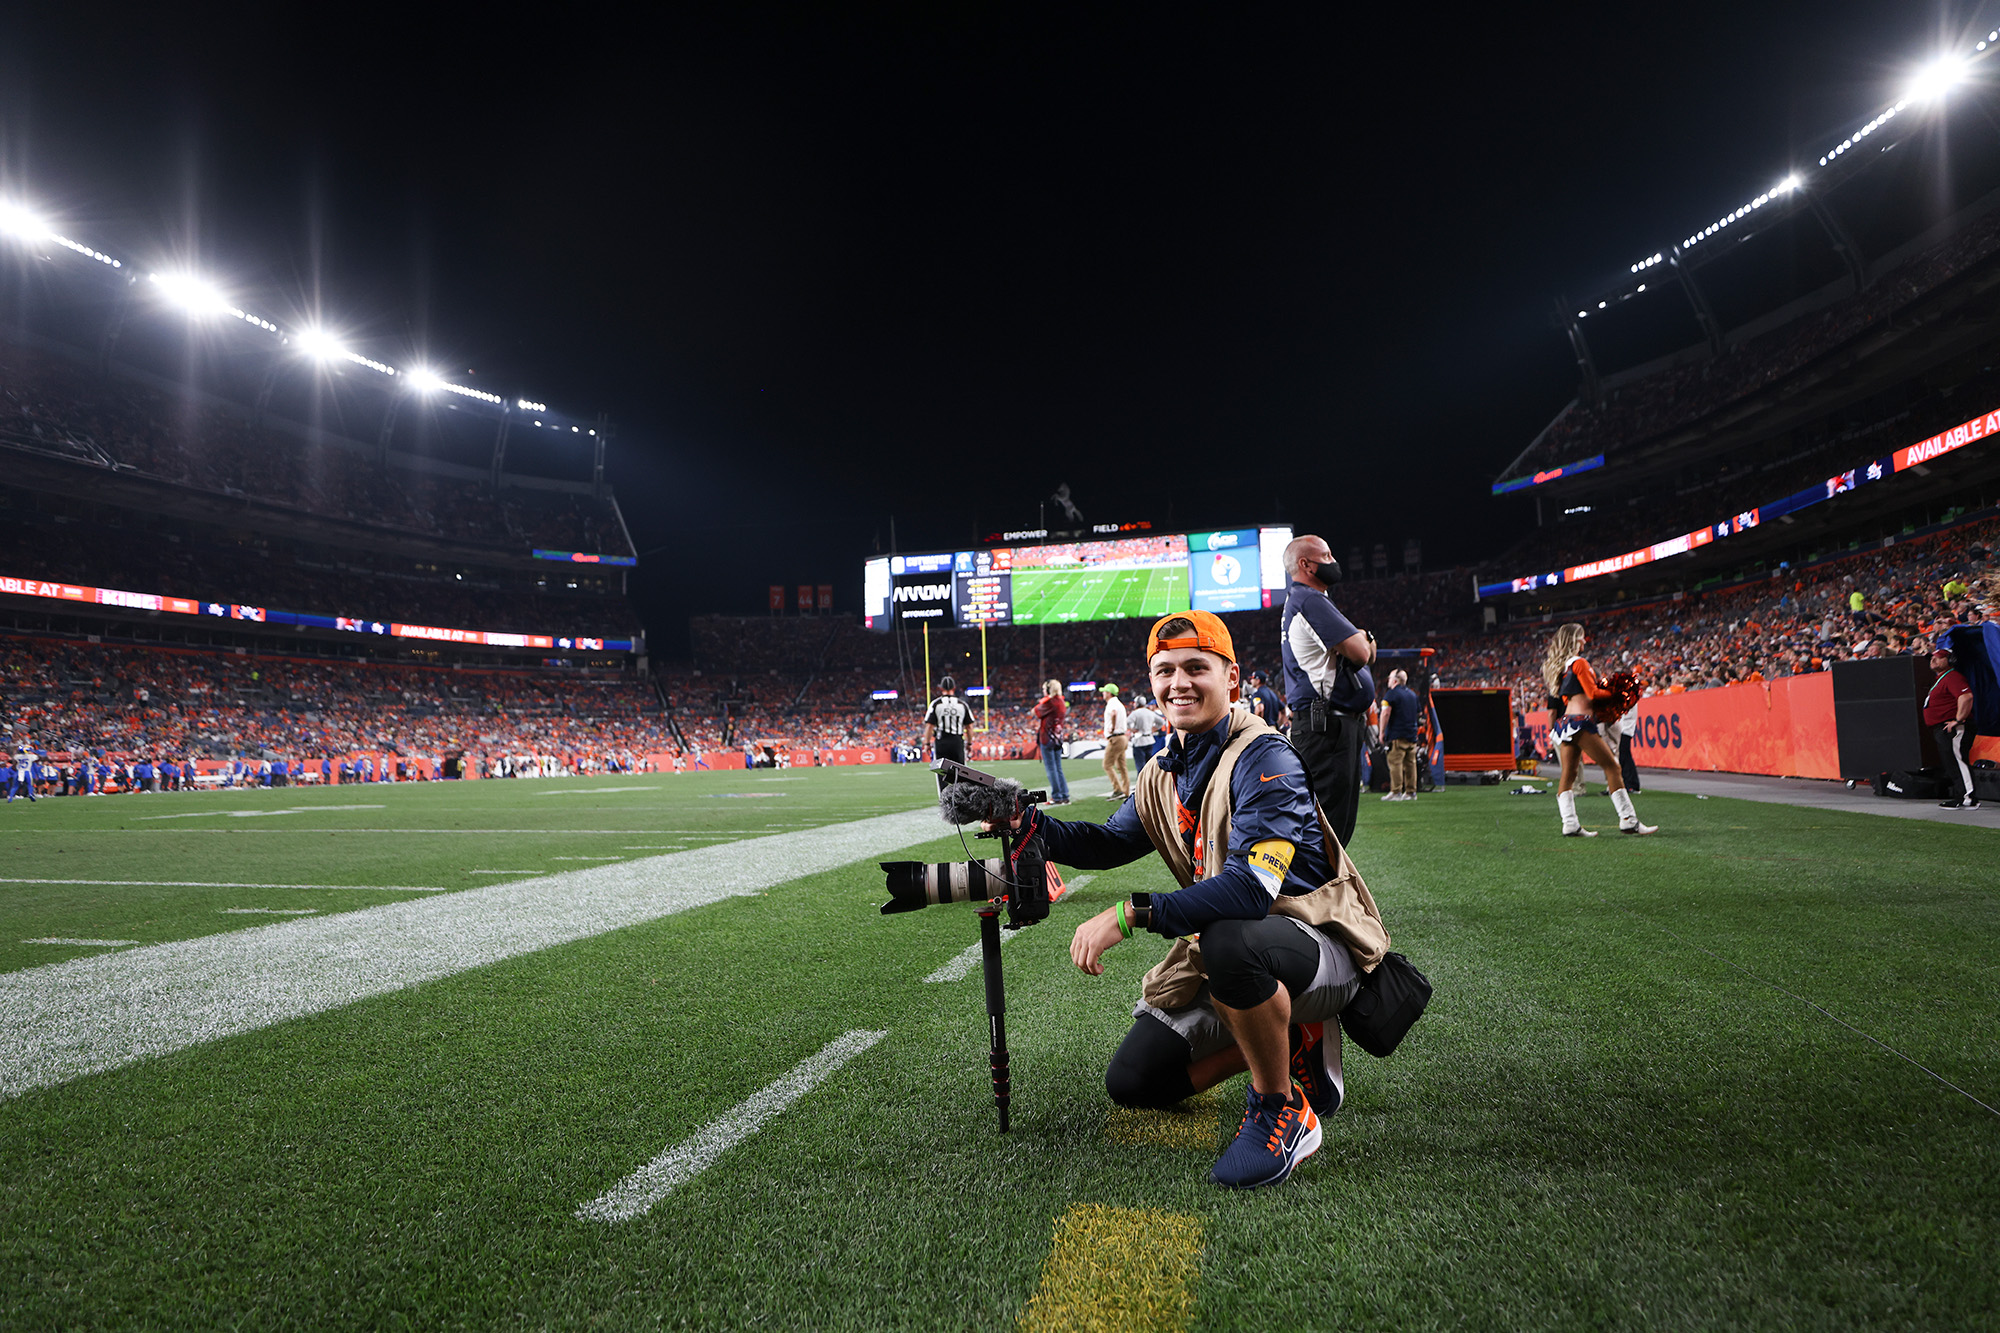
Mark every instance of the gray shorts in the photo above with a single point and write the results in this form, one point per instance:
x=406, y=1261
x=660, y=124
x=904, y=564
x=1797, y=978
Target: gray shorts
x=1333, y=985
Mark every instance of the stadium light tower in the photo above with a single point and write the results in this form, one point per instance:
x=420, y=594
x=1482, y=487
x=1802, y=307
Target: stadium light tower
x=21, y=224
x=192, y=294
x=1936, y=79
x=318, y=344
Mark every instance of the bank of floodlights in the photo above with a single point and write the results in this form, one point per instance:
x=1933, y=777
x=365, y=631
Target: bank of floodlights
x=199, y=297
x=1927, y=87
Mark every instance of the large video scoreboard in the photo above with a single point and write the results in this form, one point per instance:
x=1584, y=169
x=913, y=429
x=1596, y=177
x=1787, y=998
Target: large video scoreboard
x=1235, y=569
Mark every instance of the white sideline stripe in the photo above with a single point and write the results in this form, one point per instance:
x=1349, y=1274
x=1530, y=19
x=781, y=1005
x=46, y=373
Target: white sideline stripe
x=104, y=944
x=503, y=872
x=635, y=1195
x=588, y=791
x=270, y=911
x=259, y=814
x=219, y=884
x=586, y=858
x=64, y=1020
x=962, y=962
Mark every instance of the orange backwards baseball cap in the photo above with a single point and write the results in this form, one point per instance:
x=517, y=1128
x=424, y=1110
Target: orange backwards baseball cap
x=1210, y=635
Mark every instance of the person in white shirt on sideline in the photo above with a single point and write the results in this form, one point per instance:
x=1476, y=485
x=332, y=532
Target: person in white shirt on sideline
x=1116, y=742
x=1144, y=725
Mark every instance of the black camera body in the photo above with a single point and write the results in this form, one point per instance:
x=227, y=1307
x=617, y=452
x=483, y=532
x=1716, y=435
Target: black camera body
x=1018, y=877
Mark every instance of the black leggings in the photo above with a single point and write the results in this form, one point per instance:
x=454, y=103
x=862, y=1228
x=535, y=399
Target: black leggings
x=1246, y=962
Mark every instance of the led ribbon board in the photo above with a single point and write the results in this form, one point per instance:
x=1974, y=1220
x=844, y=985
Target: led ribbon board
x=1544, y=478
x=584, y=558
x=52, y=590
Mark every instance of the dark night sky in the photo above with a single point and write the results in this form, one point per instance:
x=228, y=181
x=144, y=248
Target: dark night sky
x=1211, y=265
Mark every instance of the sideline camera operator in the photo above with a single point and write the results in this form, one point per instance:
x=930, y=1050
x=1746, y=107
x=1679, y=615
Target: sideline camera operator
x=1285, y=923
x=1328, y=686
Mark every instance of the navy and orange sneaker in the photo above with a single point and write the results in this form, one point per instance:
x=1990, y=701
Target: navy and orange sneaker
x=1277, y=1134
x=1316, y=1066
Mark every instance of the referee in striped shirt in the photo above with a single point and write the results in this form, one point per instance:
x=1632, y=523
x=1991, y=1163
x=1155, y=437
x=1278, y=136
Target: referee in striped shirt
x=945, y=723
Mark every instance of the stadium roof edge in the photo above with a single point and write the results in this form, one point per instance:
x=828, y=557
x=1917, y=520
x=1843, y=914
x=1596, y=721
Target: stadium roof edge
x=1818, y=299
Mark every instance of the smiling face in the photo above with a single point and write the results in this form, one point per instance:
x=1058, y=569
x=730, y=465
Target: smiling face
x=1193, y=686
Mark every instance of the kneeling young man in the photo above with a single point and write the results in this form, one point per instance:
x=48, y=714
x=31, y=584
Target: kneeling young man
x=1285, y=924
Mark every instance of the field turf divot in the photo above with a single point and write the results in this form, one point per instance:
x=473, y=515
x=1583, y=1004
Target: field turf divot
x=635, y=1195
x=1116, y=1269
x=89, y=1014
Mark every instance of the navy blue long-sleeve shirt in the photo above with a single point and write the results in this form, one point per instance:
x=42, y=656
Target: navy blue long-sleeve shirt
x=1272, y=800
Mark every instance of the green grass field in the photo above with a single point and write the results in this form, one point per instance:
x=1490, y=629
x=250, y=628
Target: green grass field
x=1636, y=1101
x=1054, y=596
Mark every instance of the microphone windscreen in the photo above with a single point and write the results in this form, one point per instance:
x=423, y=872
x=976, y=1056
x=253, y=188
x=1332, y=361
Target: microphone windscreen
x=971, y=802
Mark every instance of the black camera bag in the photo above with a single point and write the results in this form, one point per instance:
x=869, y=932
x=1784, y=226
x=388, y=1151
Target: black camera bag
x=1389, y=1001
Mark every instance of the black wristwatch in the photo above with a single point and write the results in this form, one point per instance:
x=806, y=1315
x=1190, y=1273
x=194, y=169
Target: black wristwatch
x=1141, y=914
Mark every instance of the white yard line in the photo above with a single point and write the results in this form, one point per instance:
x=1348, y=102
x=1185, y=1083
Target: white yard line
x=270, y=911
x=635, y=1195
x=95, y=944
x=65, y=1020
x=219, y=884
x=961, y=963
x=586, y=858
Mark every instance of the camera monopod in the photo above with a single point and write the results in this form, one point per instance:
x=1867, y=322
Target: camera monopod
x=1016, y=880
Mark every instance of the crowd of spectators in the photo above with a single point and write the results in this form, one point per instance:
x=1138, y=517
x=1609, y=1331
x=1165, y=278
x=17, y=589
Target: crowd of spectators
x=1682, y=394
x=807, y=682
x=1787, y=624
x=58, y=408
x=76, y=698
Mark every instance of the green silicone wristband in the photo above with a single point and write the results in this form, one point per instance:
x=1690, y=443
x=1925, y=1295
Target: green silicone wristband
x=1123, y=929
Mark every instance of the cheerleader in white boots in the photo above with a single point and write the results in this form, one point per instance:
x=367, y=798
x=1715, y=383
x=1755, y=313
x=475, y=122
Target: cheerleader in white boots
x=1573, y=689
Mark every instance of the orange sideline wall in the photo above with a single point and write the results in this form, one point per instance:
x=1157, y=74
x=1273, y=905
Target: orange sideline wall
x=1783, y=728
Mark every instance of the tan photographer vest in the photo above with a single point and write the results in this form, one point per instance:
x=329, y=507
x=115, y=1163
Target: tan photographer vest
x=1342, y=906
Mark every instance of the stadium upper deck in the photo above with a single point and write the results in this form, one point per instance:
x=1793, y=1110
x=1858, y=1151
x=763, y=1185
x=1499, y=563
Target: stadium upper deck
x=205, y=461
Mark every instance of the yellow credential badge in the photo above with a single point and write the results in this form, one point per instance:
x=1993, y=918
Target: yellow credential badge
x=1269, y=861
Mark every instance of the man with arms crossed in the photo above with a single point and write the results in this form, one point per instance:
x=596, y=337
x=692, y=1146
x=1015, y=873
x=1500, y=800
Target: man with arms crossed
x=1327, y=683
x=1285, y=924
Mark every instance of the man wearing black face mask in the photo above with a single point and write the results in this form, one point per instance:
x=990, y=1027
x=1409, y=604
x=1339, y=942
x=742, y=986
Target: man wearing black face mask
x=1328, y=686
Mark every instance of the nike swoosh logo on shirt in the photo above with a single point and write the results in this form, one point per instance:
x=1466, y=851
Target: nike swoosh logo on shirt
x=1268, y=776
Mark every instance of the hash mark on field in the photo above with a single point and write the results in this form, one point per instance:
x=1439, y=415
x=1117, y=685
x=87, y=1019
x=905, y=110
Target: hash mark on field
x=1116, y=1268
x=962, y=962
x=219, y=884
x=1192, y=1124
x=270, y=911
x=95, y=944
x=635, y=1195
